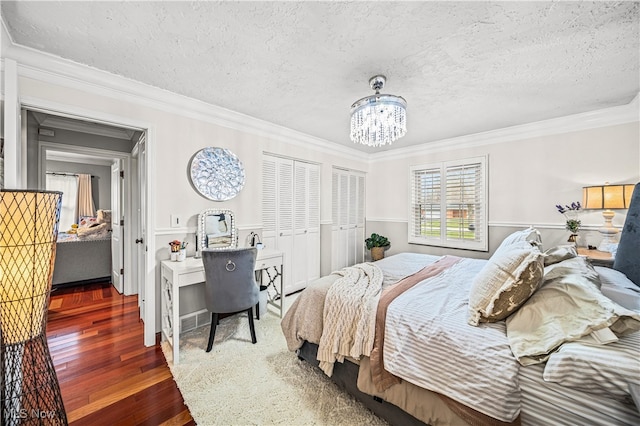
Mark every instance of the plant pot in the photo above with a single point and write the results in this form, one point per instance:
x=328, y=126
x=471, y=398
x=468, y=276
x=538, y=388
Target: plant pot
x=377, y=253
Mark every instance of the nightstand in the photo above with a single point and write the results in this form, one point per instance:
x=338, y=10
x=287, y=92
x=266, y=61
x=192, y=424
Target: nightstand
x=597, y=257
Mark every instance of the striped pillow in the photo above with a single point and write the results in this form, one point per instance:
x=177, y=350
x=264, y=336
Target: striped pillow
x=608, y=369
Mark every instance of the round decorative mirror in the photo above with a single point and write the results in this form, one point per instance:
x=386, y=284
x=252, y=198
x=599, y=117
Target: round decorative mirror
x=216, y=173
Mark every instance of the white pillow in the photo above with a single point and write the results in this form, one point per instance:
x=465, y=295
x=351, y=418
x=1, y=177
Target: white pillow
x=568, y=306
x=531, y=236
x=505, y=282
x=608, y=369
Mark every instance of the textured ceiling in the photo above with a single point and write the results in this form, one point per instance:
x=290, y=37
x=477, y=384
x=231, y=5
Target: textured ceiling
x=463, y=67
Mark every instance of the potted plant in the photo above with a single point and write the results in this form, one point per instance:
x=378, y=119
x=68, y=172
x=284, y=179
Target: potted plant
x=377, y=244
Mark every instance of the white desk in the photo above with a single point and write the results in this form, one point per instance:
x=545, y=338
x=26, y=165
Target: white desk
x=175, y=275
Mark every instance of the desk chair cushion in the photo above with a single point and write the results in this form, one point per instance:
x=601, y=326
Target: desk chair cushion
x=230, y=280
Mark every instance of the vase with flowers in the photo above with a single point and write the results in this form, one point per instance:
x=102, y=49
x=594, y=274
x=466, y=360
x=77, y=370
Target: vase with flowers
x=571, y=213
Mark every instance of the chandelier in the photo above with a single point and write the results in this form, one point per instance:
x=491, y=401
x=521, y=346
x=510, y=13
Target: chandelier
x=378, y=119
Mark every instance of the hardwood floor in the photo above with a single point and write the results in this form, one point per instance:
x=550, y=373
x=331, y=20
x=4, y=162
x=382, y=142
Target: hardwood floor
x=107, y=376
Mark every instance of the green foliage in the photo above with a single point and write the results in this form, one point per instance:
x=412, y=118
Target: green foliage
x=376, y=240
x=573, y=225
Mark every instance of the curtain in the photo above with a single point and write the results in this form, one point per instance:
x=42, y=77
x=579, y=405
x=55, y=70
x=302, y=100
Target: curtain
x=68, y=185
x=85, y=197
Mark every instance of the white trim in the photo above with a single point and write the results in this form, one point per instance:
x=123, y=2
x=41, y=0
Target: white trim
x=12, y=131
x=51, y=69
x=572, y=123
x=176, y=231
x=414, y=236
x=385, y=219
x=150, y=276
x=69, y=157
x=504, y=224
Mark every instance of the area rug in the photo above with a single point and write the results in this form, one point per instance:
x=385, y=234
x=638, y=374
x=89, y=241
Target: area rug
x=239, y=383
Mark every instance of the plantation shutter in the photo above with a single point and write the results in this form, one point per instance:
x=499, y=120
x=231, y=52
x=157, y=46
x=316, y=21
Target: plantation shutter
x=448, y=204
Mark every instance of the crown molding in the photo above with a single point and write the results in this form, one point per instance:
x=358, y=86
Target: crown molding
x=52, y=69
x=42, y=66
x=605, y=117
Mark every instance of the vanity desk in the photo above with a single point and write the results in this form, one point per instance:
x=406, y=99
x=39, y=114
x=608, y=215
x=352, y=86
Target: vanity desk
x=175, y=275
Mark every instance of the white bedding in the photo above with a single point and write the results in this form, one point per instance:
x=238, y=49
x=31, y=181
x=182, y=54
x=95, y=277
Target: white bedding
x=537, y=401
x=427, y=329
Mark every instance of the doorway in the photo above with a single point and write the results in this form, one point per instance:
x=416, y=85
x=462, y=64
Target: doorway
x=139, y=263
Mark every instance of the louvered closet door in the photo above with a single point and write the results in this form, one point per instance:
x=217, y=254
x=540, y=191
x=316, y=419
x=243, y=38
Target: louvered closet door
x=284, y=231
x=269, y=201
x=291, y=221
x=360, y=219
x=348, y=215
x=306, y=260
x=277, y=209
x=313, y=224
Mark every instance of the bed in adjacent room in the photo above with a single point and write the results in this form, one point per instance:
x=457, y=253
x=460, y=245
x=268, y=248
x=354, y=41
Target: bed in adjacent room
x=83, y=255
x=531, y=336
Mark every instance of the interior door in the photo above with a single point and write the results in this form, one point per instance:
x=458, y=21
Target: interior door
x=117, y=252
x=141, y=214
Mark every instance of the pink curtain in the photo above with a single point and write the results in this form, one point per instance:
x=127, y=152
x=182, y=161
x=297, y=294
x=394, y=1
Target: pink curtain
x=85, y=198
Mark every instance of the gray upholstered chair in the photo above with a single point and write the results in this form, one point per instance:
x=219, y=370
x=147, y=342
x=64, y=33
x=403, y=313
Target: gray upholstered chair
x=230, y=285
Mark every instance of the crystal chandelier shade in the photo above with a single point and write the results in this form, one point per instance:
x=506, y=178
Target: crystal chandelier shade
x=378, y=119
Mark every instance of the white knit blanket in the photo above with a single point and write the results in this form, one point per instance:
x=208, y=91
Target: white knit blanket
x=349, y=315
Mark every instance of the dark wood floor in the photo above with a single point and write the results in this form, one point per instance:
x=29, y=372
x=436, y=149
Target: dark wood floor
x=107, y=376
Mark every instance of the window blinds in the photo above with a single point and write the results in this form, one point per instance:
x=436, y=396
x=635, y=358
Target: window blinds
x=448, y=204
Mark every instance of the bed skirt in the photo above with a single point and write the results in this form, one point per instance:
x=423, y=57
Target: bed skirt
x=82, y=262
x=345, y=375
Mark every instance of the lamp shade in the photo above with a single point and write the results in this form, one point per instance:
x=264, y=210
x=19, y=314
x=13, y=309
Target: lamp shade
x=28, y=232
x=607, y=196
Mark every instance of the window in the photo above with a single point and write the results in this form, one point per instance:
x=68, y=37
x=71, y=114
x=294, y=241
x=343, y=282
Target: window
x=449, y=204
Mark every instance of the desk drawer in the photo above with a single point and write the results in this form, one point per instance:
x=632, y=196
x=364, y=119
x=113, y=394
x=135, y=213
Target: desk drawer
x=191, y=278
x=268, y=263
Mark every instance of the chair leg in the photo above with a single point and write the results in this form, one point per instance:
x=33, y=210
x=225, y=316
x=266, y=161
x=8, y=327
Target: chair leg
x=251, y=326
x=258, y=311
x=212, y=333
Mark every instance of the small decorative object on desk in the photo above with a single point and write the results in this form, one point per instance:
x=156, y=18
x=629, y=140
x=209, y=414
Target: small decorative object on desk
x=571, y=213
x=178, y=251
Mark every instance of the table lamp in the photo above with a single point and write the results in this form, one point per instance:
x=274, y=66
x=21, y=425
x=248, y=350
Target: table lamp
x=29, y=388
x=607, y=197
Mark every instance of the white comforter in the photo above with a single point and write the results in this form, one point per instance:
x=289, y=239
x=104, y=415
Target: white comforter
x=427, y=334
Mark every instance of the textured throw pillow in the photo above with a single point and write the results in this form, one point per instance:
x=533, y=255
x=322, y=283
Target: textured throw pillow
x=525, y=237
x=507, y=280
x=606, y=369
x=87, y=222
x=568, y=306
x=104, y=216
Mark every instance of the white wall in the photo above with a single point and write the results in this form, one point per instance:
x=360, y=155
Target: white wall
x=527, y=178
x=178, y=133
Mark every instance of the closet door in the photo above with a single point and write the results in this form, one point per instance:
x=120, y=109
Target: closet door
x=348, y=189
x=290, y=215
x=360, y=218
x=306, y=255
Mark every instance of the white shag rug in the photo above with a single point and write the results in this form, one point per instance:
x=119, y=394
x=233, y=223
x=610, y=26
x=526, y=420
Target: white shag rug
x=239, y=383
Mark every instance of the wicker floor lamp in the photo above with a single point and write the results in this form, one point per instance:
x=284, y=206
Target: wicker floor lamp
x=29, y=389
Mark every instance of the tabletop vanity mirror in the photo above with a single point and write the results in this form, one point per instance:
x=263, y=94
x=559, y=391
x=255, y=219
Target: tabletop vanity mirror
x=216, y=230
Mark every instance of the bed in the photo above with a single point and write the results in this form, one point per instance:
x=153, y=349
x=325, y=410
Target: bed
x=84, y=255
x=531, y=336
